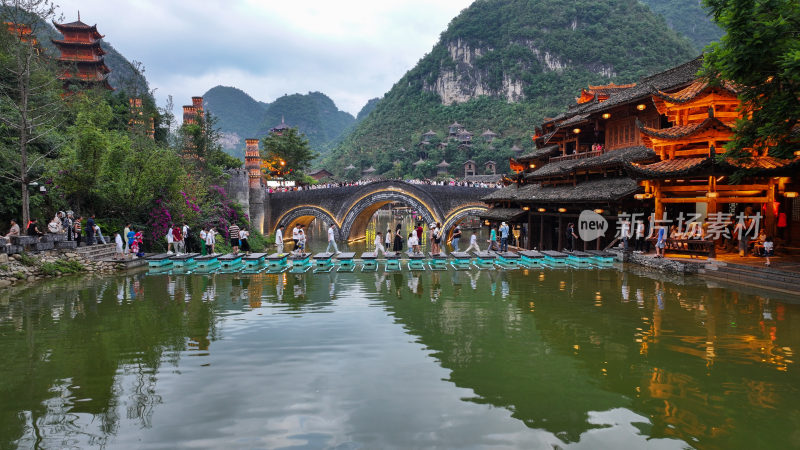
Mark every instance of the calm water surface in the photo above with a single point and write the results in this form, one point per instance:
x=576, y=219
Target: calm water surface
x=519, y=359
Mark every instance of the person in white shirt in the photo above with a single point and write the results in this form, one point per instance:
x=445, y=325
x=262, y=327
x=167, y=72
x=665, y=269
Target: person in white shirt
x=301, y=239
x=388, y=238
x=295, y=236
x=99, y=234
x=210, y=241
x=413, y=242
x=119, y=249
x=169, y=240
x=473, y=243
x=332, y=241
x=279, y=239
x=379, y=244
x=185, y=237
x=203, y=236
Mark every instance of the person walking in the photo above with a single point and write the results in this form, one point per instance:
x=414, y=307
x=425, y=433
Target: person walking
x=413, y=243
x=639, y=234
x=33, y=228
x=90, y=230
x=388, y=238
x=187, y=244
x=279, y=239
x=233, y=235
x=571, y=237
x=99, y=235
x=769, y=248
x=211, y=240
x=295, y=236
x=493, y=240
x=332, y=241
x=130, y=237
x=125, y=237
x=301, y=239
x=379, y=244
x=244, y=236
x=78, y=228
x=503, y=237
x=456, y=237
x=473, y=243
x=398, y=240
x=419, y=231
x=118, y=253
x=170, y=239
x=661, y=242
x=203, y=236
x=177, y=239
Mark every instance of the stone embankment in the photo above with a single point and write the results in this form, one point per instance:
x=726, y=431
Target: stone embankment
x=21, y=267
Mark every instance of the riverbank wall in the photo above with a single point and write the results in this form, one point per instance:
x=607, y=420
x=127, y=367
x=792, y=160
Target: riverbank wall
x=25, y=267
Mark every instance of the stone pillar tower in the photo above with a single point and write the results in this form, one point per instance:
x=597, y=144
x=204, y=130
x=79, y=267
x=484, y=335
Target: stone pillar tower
x=252, y=158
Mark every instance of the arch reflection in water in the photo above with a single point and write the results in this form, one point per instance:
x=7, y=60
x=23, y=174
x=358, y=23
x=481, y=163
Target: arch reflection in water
x=280, y=359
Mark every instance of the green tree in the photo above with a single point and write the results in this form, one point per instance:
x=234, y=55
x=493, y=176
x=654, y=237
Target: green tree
x=761, y=54
x=291, y=148
x=30, y=105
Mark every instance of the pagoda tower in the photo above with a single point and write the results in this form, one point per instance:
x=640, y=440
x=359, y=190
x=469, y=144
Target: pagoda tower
x=136, y=120
x=252, y=162
x=193, y=111
x=81, y=55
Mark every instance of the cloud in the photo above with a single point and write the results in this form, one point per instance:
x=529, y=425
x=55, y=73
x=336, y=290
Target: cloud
x=350, y=50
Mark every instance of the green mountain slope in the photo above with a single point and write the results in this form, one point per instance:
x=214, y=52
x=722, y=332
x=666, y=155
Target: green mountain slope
x=689, y=18
x=505, y=65
x=314, y=114
x=239, y=117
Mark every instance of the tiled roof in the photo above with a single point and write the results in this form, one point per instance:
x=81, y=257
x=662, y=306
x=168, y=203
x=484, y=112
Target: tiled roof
x=611, y=158
x=683, y=131
x=420, y=161
x=666, y=80
x=489, y=133
x=693, y=90
x=539, y=153
x=761, y=162
x=502, y=214
x=443, y=164
x=669, y=168
x=604, y=190
x=430, y=133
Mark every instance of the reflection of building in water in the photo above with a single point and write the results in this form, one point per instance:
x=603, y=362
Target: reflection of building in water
x=255, y=289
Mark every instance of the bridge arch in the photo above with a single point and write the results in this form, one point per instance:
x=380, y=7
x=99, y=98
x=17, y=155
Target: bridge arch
x=304, y=214
x=360, y=211
x=455, y=216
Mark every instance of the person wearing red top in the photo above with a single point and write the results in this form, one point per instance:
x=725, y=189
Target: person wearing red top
x=177, y=238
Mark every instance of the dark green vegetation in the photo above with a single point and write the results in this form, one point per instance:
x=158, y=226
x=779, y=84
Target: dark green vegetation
x=62, y=266
x=241, y=117
x=546, y=50
x=93, y=156
x=761, y=54
x=689, y=18
x=287, y=154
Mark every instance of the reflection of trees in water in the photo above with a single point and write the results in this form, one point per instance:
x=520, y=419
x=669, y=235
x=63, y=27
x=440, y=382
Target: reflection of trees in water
x=81, y=348
x=569, y=342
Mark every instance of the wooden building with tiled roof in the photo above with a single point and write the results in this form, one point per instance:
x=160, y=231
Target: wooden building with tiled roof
x=653, y=146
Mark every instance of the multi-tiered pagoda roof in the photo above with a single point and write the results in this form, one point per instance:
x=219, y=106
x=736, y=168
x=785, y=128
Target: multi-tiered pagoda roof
x=81, y=55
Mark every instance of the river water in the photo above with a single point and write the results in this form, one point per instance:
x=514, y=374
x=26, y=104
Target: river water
x=552, y=358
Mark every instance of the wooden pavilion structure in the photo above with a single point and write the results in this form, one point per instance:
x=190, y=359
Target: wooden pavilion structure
x=81, y=57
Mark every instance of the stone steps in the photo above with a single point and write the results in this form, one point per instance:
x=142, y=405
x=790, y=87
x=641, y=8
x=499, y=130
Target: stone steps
x=763, y=277
x=97, y=252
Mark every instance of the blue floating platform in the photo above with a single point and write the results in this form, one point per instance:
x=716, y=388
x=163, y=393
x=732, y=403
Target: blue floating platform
x=301, y=262
x=461, y=260
x=346, y=261
x=392, y=261
x=185, y=259
x=159, y=260
x=437, y=261
x=369, y=262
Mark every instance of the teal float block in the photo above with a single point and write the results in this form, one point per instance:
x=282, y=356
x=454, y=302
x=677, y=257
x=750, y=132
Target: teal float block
x=230, y=260
x=323, y=262
x=301, y=262
x=369, y=262
x=392, y=261
x=603, y=258
x=183, y=260
x=579, y=259
x=438, y=261
x=160, y=260
x=461, y=260
x=346, y=261
x=555, y=259
x=532, y=259
x=508, y=260
x=484, y=260
x=206, y=261
x=276, y=262
x=416, y=261
x=253, y=263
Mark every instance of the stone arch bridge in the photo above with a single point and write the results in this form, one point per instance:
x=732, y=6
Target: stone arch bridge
x=350, y=208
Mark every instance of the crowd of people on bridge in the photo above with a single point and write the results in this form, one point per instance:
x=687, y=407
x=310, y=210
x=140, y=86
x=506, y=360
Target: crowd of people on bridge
x=362, y=182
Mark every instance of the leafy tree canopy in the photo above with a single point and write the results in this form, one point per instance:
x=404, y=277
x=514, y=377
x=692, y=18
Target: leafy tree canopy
x=288, y=153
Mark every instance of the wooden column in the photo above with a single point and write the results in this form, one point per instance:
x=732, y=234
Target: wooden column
x=711, y=204
x=541, y=232
x=658, y=209
x=529, y=237
x=560, y=233
x=769, y=219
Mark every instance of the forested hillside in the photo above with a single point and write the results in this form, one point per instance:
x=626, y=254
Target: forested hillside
x=505, y=65
x=239, y=117
x=689, y=18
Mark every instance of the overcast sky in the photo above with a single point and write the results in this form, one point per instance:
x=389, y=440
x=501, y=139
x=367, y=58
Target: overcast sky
x=351, y=50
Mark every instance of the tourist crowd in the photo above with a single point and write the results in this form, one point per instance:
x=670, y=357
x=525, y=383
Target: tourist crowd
x=451, y=182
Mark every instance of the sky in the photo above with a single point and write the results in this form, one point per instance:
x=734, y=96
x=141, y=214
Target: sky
x=351, y=50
